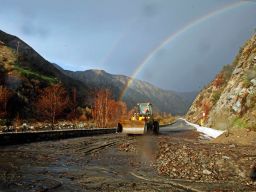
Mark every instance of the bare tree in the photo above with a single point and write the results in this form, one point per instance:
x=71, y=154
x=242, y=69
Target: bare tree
x=107, y=111
x=101, y=107
x=74, y=114
x=52, y=102
x=5, y=95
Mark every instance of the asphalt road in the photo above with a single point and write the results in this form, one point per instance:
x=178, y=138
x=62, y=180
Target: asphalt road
x=114, y=162
x=178, y=126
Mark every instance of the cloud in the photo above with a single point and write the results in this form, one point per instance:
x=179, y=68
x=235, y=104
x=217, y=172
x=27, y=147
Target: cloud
x=32, y=30
x=150, y=9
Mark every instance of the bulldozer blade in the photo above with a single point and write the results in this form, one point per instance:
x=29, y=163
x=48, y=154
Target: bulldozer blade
x=134, y=130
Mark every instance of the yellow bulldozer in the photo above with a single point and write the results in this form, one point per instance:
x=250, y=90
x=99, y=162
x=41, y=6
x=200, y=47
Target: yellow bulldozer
x=142, y=121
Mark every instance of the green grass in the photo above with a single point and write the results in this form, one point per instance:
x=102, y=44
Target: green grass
x=239, y=122
x=216, y=96
x=32, y=74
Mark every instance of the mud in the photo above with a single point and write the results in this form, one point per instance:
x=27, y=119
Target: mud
x=107, y=163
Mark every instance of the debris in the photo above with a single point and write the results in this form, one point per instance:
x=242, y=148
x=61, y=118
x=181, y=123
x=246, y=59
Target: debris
x=253, y=173
x=207, y=172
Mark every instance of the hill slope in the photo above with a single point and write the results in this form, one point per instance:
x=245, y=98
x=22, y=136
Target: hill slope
x=230, y=99
x=25, y=71
x=138, y=91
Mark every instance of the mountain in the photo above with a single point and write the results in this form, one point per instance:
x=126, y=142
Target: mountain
x=138, y=91
x=229, y=101
x=25, y=71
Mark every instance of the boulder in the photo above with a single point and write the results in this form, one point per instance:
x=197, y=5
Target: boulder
x=253, y=81
x=237, y=107
x=237, y=71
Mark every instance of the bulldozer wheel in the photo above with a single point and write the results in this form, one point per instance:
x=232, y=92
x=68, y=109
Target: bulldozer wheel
x=149, y=127
x=119, y=128
x=156, y=127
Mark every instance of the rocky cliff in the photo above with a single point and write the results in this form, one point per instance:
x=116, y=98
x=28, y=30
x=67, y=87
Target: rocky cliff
x=229, y=101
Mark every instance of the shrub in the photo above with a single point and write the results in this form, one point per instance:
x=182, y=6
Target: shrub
x=215, y=96
x=219, y=80
x=248, y=76
x=240, y=123
x=227, y=72
x=206, y=106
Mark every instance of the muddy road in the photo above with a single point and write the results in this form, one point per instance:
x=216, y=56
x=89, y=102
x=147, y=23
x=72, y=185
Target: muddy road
x=112, y=162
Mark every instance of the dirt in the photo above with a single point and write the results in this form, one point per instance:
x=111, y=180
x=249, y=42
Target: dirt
x=176, y=160
x=237, y=136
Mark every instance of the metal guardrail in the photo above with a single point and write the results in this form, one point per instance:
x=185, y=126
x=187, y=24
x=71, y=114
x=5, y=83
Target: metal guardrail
x=12, y=138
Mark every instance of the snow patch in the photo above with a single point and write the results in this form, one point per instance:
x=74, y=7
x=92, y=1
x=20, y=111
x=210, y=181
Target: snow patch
x=208, y=132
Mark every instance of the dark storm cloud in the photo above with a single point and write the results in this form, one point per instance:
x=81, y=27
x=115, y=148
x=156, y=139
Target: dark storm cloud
x=117, y=36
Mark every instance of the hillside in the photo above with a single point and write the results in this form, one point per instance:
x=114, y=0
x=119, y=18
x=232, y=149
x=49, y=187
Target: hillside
x=139, y=91
x=25, y=72
x=229, y=101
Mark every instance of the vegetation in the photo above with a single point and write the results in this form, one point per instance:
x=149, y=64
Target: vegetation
x=215, y=96
x=219, y=80
x=248, y=76
x=106, y=111
x=52, y=102
x=5, y=95
x=227, y=71
x=28, y=73
x=206, y=106
x=165, y=118
x=239, y=122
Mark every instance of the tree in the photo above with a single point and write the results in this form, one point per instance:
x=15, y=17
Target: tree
x=74, y=112
x=101, y=107
x=107, y=111
x=119, y=111
x=52, y=102
x=5, y=95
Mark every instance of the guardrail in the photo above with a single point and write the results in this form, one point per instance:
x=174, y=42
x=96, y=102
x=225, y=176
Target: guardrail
x=12, y=138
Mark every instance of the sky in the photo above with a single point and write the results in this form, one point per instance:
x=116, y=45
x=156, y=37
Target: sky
x=174, y=44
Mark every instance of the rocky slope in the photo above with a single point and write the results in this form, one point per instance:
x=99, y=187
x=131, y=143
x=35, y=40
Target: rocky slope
x=229, y=101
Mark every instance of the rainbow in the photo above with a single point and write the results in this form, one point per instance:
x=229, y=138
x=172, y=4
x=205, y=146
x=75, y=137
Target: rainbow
x=174, y=35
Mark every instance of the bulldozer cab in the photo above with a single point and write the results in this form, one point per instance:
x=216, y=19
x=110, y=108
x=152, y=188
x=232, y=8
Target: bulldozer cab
x=145, y=109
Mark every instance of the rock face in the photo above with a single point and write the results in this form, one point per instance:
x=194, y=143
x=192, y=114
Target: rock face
x=230, y=99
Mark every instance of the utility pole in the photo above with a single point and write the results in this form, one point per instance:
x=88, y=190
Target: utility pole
x=17, y=47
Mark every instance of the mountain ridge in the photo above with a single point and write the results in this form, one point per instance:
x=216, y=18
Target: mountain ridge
x=164, y=100
x=32, y=67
